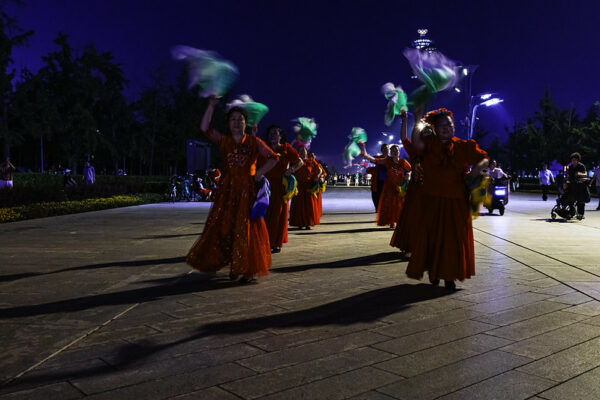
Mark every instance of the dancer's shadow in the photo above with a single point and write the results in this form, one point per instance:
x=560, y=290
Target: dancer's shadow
x=361, y=230
x=365, y=307
x=191, y=283
x=135, y=263
x=380, y=258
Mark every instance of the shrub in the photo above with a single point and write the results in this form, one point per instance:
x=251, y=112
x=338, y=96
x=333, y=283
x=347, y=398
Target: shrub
x=50, y=209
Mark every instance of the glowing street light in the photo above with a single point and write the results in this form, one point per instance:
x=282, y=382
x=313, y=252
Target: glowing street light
x=488, y=103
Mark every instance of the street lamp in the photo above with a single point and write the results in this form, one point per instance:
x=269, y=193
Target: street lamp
x=488, y=102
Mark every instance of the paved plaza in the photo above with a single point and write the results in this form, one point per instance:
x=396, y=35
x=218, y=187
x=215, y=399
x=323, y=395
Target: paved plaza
x=101, y=305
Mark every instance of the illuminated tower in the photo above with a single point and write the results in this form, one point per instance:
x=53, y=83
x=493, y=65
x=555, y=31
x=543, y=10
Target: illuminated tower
x=423, y=43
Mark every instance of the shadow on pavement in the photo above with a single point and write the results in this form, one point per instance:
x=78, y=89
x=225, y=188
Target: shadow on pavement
x=348, y=222
x=361, y=230
x=360, y=308
x=136, y=263
x=168, y=236
x=380, y=258
x=175, y=286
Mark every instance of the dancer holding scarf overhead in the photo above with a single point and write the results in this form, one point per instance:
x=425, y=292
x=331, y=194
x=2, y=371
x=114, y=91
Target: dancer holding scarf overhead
x=230, y=236
x=443, y=244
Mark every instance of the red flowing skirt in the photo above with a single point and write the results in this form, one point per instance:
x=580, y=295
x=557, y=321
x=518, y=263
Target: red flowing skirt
x=230, y=236
x=443, y=244
x=408, y=223
x=276, y=217
x=390, y=204
x=303, y=210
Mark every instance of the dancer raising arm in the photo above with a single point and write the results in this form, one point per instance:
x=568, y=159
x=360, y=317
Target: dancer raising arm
x=229, y=235
x=443, y=245
x=392, y=196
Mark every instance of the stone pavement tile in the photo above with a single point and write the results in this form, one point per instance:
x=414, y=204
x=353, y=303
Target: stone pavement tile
x=441, y=381
x=54, y=374
x=571, y=298
x=583, y=387
x=557, y=290
x=177, y=384
x=544, y=283
x=492, y=293
x=537, y=325
x=551, y=342
x=147, y=368
x=340, y=386
x=567, y=363
x=592, y=289
x=371, y=396
x=301, y=374
x=213, y=393
x=508, y=302
x=439, y=356
x=560, y=273
x=591, y=308
x=83, y=353
x=295, y=355
x=434, y=337
x=423, y=322
x=62, y=390
x=273, y=343
x=521, y=313
x=511, y=385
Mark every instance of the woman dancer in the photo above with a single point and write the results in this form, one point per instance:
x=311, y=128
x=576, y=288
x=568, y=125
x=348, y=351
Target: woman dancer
x=303, y=210
x=444, y=242
x=392, y=196
x=320, y=182
x=230, y=236
x=404, y=234
x=289, y=162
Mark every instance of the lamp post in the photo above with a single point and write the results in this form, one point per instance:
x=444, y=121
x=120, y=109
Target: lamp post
x=488, y=102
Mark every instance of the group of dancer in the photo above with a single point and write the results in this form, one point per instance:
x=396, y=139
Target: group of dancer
x=430, y=212
x=230, y=235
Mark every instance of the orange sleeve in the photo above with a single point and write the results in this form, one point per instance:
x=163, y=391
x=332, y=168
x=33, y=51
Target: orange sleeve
x=474, y=153
x=213, y=135
x=265, y=151
x=292, y=154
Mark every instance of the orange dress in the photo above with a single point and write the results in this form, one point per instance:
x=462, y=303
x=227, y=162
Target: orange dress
x=444, y=241
x=276, y=217
x=229, y=235
x=405, y=232
x=319, y=199
x=303, y=210
x=390, y=203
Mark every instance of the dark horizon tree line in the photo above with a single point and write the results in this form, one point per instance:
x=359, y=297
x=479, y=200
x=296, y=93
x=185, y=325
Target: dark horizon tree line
x=73, y=109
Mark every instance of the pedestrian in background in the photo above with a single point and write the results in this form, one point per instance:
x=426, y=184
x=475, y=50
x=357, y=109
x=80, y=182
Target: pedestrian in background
x=596, y=179
x=89, y=174
x=546, y=179
x=7, y=171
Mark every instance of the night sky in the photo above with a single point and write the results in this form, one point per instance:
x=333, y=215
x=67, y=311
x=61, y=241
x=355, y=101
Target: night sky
x=328, y=59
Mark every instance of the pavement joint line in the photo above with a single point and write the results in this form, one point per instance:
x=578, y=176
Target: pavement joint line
x=57, y=352
x=534, y=251
x=80, y=338
x=532, y=267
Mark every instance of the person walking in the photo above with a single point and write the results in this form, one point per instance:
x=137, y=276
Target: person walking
x=596, y=180
x=546, y=179
x=576, y=173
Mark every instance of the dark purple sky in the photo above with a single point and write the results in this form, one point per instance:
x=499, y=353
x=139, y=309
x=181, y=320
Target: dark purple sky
x=327, y=59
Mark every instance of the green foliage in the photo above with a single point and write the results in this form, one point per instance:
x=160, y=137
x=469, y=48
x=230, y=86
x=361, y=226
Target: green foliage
x=50, y=209
x=34, y=188
x=552, y=134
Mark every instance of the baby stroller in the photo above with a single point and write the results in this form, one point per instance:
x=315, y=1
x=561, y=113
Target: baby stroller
x=566, y=203
x=498, y=189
